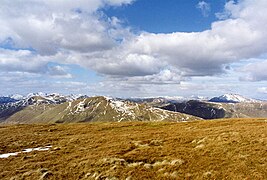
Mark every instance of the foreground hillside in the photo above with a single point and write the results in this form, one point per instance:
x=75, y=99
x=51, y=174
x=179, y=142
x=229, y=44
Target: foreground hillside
x=221, y=149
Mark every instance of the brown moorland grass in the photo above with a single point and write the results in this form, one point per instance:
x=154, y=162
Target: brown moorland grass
x=217, y=149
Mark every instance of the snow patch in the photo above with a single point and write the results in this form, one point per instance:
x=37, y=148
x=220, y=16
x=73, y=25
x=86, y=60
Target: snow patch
x=9, y=154
x=80, y=106
x=46, y=148
x=122, y=107
x=16, y=96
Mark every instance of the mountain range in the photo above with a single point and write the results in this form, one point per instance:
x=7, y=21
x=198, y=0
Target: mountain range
x=56, y=108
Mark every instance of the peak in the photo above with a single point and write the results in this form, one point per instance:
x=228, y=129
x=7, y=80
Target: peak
x=16, y=96
x=232, y=98
x=36, y=94
x=232, y=95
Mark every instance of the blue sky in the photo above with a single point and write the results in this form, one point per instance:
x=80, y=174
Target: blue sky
x=134, y=47
x=159, y=16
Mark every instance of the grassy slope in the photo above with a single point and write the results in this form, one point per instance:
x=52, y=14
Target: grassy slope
x=232, y=149
x=245, y=110
x=26, y=114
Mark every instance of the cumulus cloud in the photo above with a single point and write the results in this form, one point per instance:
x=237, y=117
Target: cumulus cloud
x=29, y=62
x=262, y=90
x=118, y=63
x=21, y=60
x=165, y=76
x=255, y=71
x=35, y=32
x=45, y=27
x=79, y=33
x=204, y=7
x=242, y=35
x=58, y=71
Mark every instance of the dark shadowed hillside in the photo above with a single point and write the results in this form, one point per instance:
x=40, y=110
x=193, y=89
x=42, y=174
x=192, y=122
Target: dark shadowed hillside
x=210, y=110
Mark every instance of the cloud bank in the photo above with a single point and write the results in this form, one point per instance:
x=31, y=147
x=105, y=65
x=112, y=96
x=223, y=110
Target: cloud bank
x=36, y=32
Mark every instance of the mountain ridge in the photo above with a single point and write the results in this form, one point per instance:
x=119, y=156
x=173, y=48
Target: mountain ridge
x=57, y=108
x=88, y=109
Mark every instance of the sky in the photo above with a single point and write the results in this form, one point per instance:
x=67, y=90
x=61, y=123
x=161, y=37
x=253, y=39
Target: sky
x=134, y=48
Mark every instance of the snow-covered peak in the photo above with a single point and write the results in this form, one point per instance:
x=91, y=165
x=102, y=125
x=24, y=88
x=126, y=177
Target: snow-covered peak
x=73, y=97
x=55, y=97
x=17, y=100
x=16, y=96
x=232, y=98
x=36, y=94
x=201, y=98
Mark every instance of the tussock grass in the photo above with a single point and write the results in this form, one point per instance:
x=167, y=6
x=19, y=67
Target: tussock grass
x=218, y=149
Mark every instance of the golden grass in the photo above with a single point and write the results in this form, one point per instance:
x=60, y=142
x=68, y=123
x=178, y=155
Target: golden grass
x=218, y=149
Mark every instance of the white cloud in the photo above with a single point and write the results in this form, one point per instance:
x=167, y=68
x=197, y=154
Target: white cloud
x=262, y=90
x=88, y=40
x=23, y=83
x=79, y=33
x=28, y=62
x=255, y=71
x=21, y=60
x=51, y=31
x=58, y=71
x=45, y=27
x=204, y=53
x=204, y=7
x=120, y=64
x=165, y=76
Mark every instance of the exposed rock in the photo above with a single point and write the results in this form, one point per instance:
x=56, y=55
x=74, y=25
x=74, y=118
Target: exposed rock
x=177, y=162
x=148, y=166
x=135, y=164
x=46, y=175
x=207, y=174
x=200, y=146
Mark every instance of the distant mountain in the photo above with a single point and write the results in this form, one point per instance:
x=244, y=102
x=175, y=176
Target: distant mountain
x=153, y=101
x=165, y=99
x=232, y=98
x=55, y=97
x=4, y=100
x=16, y=96
x=10, y=106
